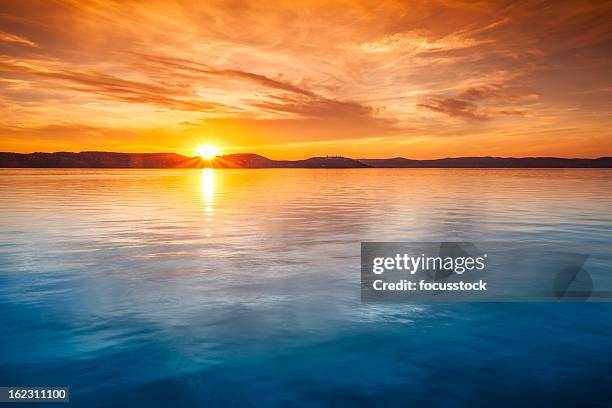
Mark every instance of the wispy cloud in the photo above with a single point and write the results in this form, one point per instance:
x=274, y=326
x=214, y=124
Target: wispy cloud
x=16, y=39
x=413, y=42
x=172, y=97
x=453, y=107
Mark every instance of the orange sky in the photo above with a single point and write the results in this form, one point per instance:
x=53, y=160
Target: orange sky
x=419, y=79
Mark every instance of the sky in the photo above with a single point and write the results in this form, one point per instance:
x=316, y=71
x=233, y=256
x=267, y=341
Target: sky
x=294, y=79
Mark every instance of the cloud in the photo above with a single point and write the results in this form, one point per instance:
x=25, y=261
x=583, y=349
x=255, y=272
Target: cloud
x=288, y=99
x=108, y=86
x=316, y=107
x=418, y=42
x=483, y=102
x=499, y=92
x=453, y=107
x=12, y=38
x=186, y=65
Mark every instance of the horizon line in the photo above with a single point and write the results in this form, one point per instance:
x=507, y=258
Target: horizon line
x=312, y=157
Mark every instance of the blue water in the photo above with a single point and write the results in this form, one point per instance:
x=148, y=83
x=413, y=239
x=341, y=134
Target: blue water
x=160, y=288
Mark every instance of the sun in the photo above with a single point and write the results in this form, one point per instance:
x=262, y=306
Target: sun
x=207, y=151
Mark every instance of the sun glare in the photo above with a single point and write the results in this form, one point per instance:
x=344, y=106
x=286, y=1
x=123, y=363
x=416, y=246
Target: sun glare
x=207, y=151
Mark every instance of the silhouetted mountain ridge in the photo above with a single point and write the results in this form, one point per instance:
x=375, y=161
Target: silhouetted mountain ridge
x=96, y=160
x=490, y=162
x=93, y=159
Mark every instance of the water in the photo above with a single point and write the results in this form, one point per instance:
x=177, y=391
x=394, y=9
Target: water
x=241, y=287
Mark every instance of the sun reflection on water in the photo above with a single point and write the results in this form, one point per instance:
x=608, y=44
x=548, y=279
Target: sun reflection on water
x=208, y=190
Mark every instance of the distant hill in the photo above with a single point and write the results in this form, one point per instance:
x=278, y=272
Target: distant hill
x=242, y=160
x=164, y=160
x=96, y=160
x=251, y=160
x=490, y=162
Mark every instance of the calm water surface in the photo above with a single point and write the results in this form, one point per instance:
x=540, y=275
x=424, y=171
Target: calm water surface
x=241, y=287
